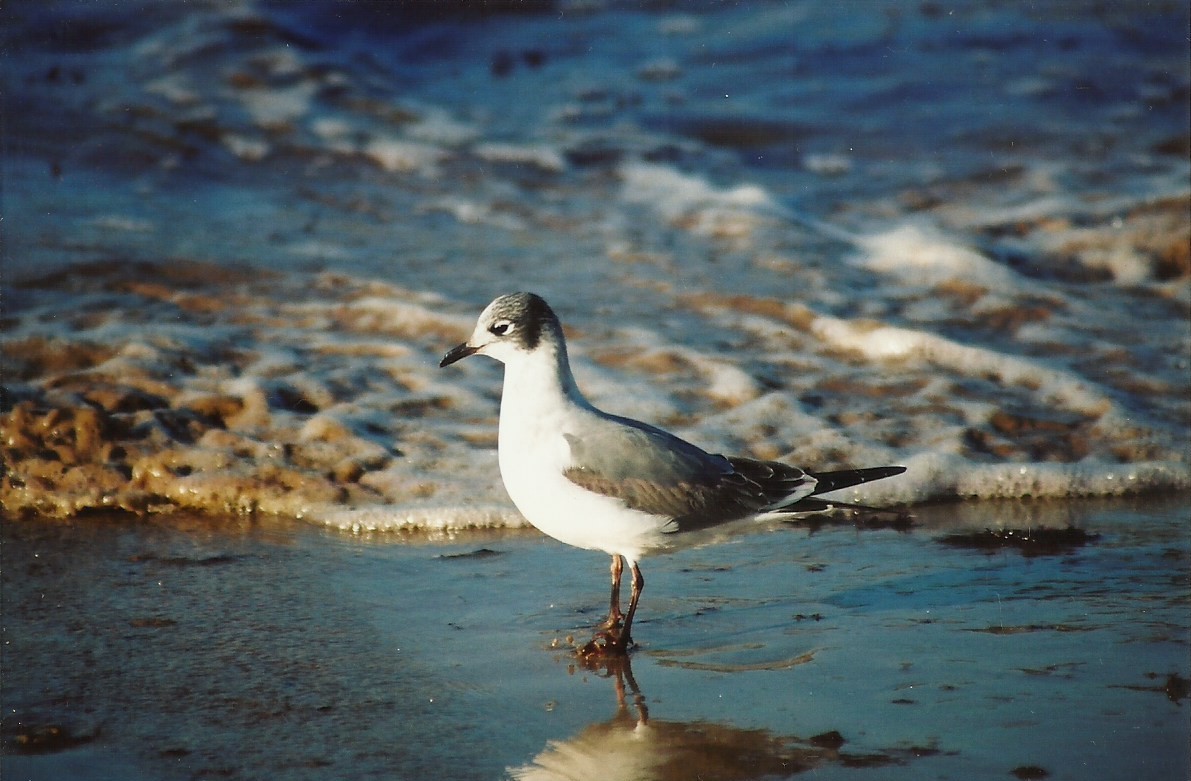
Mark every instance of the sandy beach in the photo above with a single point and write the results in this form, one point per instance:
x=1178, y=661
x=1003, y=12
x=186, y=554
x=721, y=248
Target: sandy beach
x=251, y=531
x=182, y=648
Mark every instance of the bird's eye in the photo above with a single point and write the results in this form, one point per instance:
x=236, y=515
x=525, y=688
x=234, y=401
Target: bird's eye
x=501, y=328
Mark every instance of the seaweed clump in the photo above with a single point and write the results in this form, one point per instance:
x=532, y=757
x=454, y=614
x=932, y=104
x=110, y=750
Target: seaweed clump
x=1029, y=542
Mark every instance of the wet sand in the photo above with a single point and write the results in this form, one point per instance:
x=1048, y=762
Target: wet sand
x=188, y=648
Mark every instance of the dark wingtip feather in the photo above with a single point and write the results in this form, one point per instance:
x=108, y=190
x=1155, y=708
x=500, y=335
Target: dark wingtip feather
x=846, y=478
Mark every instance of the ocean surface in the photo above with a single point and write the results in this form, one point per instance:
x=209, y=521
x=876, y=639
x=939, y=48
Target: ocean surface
x=238, y=235
x=184, y=648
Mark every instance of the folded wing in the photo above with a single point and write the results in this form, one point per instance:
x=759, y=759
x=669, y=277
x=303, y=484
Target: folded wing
x=657, y=473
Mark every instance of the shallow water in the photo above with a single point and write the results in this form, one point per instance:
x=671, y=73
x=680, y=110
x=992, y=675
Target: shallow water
x=182, y=648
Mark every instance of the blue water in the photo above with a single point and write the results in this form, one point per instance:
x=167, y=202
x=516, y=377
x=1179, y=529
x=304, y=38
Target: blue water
x=871, y=234
x=183, y=648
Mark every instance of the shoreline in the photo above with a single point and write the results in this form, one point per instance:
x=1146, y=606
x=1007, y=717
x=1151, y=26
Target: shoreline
x=240, y=236
x=260, y=647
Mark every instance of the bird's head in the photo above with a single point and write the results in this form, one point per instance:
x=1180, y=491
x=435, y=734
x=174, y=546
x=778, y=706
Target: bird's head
x=513, y=325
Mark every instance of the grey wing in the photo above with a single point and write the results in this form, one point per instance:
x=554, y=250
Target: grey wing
x=656, y=472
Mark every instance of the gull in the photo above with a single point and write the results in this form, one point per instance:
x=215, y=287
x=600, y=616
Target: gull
x=604, y=482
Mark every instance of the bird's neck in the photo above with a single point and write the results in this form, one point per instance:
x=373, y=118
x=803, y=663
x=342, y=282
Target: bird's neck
x=539, y=387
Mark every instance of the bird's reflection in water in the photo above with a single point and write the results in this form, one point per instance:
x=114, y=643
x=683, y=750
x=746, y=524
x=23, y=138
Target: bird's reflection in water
x=633, y=745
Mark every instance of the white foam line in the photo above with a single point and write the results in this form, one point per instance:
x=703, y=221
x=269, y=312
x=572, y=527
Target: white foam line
x=937, y=475
x=889, y=342
x=405, y=517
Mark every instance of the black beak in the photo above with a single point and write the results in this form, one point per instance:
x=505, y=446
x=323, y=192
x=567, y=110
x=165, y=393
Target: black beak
x=457, y=353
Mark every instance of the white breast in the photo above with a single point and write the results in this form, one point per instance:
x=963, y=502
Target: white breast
x=534, y=454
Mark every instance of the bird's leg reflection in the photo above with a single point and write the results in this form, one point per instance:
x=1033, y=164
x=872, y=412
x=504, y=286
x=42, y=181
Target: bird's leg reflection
x=634, y=745
x=620, y=670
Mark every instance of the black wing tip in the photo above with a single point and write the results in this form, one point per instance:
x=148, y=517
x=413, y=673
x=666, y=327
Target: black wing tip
x=846, y=478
